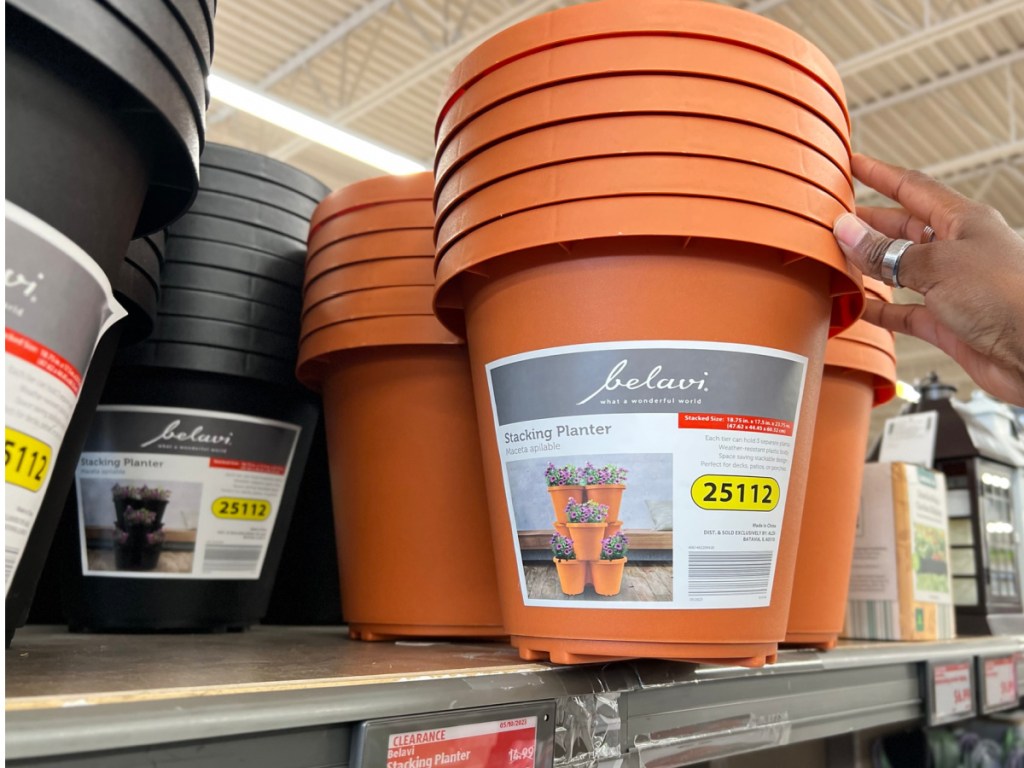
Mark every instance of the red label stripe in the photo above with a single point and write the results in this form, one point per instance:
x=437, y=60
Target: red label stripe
x=729, y=421
x=42, y=357
x=247, y=466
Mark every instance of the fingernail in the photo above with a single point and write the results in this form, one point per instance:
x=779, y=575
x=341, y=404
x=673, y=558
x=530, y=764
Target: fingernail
x=850, y=230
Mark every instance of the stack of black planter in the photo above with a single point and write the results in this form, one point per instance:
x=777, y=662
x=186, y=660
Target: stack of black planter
x=105, y=124
x=225, y=342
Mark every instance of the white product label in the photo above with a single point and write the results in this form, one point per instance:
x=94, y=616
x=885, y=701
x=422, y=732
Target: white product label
x=1000, y=683
x=873, y=570
x=57, y=305
x=910, y=439
x=176, y=493
x=704, y=434
x=954, y=695
x=926, y=495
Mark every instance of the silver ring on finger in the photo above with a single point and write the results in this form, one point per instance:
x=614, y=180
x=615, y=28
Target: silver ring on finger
x=928, y=235
x=891, y=262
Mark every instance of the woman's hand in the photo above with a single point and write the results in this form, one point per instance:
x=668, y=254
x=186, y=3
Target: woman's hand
x=966, y=262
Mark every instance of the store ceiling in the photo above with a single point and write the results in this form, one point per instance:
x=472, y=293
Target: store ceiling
x=931, y=84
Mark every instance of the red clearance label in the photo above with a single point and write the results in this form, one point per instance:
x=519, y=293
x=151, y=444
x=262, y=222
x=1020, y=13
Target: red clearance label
x=248, y=466
x=1001, y=682
x=729, y=421
x=496, y=744
x=953, y=692
x=41, y=357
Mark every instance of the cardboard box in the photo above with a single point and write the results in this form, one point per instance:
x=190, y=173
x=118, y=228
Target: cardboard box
x=900, y=584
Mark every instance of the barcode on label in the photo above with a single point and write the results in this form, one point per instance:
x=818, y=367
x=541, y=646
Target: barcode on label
x=730, y=572
x=242, y=557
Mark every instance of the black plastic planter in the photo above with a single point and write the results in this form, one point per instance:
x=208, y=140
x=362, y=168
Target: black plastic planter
x=144, y=257
x=261, y=191
x=225, y=335
x=212, y=253
x=228, y=206
x=251, y=236
x=191, y=17
x=137, y=294
x=87, y=47
x=230, y=283
x=179, y=302
x=196, y=357
x=207, y=597
x=101, y=144
x=264, y=168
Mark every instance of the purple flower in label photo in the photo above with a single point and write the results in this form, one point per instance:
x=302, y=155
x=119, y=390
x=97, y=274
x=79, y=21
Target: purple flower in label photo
x=562, y=547
x=567, y=475
x=609, y=474
x=120, y=537
x=122, y=492
x=615, y=547
x=588, y=512
x=134, y=516
x=154, y=494
x=156, y=537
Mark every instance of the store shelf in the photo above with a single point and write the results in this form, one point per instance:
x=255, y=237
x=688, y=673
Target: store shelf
x=289, y=697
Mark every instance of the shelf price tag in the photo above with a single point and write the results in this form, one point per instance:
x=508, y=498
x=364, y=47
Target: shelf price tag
x=998, y=676
x=516, y=736
x=950, y=691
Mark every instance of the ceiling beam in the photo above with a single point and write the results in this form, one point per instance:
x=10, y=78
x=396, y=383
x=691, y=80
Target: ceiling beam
x=982, y=157
x=945, y=81
x=429, y=67
x=332, y=36
x=928, y=36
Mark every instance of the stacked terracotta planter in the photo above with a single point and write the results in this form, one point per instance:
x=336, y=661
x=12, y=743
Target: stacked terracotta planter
x=680, y=164
x=860, y=373
x=414, y=545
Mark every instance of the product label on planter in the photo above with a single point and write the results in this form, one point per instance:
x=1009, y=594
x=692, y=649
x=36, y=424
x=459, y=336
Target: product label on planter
x=176, y=493
x=57, y=305
x=674, y=454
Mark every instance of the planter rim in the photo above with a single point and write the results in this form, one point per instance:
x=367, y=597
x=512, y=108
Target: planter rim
x=852, y=357
x=384, y=217
x=206, y=359
x=186, y=249
x=380, y=189
x=395, y=244
x=648, y=216
x=878, y=289
x=317, y=352
x=630, y=135
x=373, y=302
x=148, y=90
x=622, y=95
x=653, y=16
x=247, y=187
x=636, y=175
x=599, y=57
x=387, y=273
x=226, y=205
x=265, y=168
x=229, y=283
x=309, y=330
x=186, y=302
x=224, y=334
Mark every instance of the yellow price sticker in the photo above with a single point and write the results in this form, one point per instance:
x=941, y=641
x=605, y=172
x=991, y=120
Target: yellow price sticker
x=229, y=508
x=26, y=460
x=735, y=493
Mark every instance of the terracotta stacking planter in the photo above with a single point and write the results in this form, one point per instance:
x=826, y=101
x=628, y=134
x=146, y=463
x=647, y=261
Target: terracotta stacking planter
x=647, y=54
x=396, y=244
x=638, y=135
x=646, y=303
x=641, y=94
x=386, y=273
x=621, y=18
x=375, y=302
x=860, y=373
x=637, y=175
x=383, y=217
x=413, y=535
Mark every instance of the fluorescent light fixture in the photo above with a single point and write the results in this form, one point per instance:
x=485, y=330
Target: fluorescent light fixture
x=308, y=127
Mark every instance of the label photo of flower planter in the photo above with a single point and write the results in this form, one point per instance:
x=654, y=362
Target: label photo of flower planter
x=180, y=493
x=58, y=303
x=679, y=452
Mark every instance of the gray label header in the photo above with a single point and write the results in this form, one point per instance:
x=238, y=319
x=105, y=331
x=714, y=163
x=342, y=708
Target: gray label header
x=190, y=433
x=647, y=380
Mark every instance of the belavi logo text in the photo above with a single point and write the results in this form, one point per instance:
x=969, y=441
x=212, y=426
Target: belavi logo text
x=17, y=280
x=173, y=433
x=653, y=381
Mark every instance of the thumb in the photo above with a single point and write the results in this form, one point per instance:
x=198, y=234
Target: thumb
x=862, y=245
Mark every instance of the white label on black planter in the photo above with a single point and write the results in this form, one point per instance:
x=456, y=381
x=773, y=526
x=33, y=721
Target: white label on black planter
x=176, y=493
x=57, y=305
x=700, y=435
